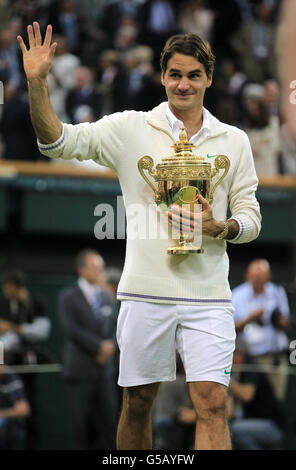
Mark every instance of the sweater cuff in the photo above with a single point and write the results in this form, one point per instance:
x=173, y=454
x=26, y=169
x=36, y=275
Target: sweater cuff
x=246, y=231
x=54, y=149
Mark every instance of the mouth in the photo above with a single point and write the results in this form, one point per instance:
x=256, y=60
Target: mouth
x=182, y=95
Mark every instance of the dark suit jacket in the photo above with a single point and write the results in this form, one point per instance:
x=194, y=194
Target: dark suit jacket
x=84, y=333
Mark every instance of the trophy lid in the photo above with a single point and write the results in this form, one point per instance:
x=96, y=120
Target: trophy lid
x=183, y=151
x=183, y=144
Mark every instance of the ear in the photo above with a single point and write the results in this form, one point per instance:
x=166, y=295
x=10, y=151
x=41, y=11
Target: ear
x=210, y=79
x=162, y=77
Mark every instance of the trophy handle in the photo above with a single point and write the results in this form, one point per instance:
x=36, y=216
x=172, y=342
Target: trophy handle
x=221, y=162
x=146, y=163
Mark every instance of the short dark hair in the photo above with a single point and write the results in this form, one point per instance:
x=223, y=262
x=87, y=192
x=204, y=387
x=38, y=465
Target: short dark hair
x=188, y=44
x=14, y=276
x=82, y=255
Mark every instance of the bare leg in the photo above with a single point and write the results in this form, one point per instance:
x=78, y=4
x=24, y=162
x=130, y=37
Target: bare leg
x=209, y=401
x=135, y=427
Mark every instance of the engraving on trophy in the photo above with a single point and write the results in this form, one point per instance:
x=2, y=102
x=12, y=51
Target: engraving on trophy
x=180, y=179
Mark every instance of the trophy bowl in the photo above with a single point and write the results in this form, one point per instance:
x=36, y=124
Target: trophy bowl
x=180, y=179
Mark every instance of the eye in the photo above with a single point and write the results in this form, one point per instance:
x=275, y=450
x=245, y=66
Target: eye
x=194, y=75
x=175, y=75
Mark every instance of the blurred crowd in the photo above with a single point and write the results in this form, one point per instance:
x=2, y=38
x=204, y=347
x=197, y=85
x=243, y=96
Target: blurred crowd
x=107, y=60
x=87, y=313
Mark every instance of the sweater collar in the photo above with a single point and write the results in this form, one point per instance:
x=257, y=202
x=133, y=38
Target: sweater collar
x=157, y=118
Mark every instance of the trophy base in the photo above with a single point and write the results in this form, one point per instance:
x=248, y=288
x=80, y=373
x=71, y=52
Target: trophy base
x=185, y=249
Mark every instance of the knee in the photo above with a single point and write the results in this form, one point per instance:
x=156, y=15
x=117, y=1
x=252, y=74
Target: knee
x=138, y=401
x=210, y=401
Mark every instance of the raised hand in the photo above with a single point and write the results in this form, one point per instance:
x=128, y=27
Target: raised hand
x=37, y=60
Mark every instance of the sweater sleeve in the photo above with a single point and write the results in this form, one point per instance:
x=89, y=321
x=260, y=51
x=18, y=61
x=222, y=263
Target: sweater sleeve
x=243, y=204
x=102, y=141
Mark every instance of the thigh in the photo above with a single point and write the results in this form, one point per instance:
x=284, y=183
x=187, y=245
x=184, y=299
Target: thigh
x=146, y=339
x=206, y=341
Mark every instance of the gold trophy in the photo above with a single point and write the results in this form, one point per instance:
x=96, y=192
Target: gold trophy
x=181, y=178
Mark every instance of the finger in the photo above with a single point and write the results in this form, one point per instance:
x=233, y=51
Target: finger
x=38, y=38
x=31, y=36
x=22, y=44
x=52, y=50
x=48, y=35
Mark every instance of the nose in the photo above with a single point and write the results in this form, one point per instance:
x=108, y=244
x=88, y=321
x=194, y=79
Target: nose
x=183, y=84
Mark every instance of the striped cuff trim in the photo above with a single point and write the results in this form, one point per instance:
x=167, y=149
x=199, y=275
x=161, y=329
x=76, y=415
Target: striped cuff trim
x=54, y=145
x=175, y=299
x=241, y=228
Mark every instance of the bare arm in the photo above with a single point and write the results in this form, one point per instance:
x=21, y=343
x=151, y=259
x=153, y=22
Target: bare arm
x=37, y=61
x=20, y=409
x=243, y=392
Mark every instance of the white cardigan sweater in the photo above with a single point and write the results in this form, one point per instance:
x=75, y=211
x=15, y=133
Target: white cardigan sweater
x=150, y=274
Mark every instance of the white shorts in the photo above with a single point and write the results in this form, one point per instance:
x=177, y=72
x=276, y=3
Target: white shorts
x=149, y=334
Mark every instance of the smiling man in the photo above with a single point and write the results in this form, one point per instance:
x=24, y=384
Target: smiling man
x=167, y=301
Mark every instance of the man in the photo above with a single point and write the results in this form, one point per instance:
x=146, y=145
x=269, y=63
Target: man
x=87, y=316
x=24, y=330
x=259, y=423
x=261, y=320
x=164, y=297
x=24, y=325
x=14, y=409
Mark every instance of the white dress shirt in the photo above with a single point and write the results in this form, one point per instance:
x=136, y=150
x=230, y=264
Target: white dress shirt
x=176, y=124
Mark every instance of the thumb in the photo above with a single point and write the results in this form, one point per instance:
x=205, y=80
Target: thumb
x=204, y=203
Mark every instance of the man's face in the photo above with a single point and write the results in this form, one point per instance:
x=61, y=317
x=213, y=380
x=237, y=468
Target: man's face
x=10, y=290
x=185, y=82
x=94, y=269
x=258, y=277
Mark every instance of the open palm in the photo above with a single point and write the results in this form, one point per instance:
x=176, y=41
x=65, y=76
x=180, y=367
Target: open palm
x=38, y=58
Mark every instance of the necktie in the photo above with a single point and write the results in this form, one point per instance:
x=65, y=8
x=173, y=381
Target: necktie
x=96, y=305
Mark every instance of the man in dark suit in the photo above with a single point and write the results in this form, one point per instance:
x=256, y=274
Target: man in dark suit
x=88, y=319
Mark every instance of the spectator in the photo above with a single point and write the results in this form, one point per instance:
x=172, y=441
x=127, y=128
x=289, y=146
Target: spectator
x=9, y=64
x=271, y=96
x=84, y=93
x=288, y=150
x=261, y=320
x=64, y=64
x=24, y=329
x=254, y=44
x=263, y=130
x=23, y=316
x=195, y=17
x=15, y=120
x=14, y=409
x=158, y=22
x=88, y=319
x=261, y=424
x=65, y=19
x=229, y=88
x=139, y=88
x=126, y=34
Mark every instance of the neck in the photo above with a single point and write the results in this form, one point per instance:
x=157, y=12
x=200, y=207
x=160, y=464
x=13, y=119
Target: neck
x=192, y=119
